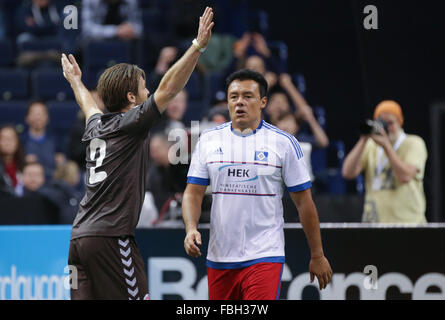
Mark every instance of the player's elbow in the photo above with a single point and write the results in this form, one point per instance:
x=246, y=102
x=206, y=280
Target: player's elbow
x=348, y=173
x=163, y=95
x=409, y=175
x=323, y=143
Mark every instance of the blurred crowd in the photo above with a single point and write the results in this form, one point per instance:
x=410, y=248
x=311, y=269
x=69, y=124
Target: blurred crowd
x=46, y=169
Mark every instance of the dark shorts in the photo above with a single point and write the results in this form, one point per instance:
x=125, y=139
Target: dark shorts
x=107, y=268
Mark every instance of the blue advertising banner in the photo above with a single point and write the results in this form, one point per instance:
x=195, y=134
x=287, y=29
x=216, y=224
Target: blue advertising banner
x=33, y=262
x=369, y=263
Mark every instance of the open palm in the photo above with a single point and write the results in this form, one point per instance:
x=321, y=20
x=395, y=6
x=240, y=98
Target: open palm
x=71, y=70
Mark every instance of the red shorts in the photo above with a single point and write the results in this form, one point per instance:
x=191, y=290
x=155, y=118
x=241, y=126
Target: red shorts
x=261, y=281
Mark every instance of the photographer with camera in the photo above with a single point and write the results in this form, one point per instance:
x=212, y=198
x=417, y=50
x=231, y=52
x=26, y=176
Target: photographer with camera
x=393, y=164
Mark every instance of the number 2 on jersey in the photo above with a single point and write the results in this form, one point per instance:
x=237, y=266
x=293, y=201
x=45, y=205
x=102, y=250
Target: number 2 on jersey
x=99, y=176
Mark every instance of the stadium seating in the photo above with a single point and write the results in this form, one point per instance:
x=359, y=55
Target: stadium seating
x=6, y=54
x=279, y=50
x=62, y=115
x=195, y=87
x=64, y=111
x=13, y=84
x=152, y=20
x=195, y=111
x=40, y=45
x=215, y=83
x=102, y=54
x=13, y=112
x=300, y=82
x=319, y=156
x=49, y=84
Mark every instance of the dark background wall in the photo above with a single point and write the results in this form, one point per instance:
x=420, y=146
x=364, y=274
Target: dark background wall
x=349, y=69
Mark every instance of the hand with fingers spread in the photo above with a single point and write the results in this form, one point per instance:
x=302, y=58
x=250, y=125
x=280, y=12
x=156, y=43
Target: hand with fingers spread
x=191, y=242
x=319, y=267
x=71, y=70
x=205, y=27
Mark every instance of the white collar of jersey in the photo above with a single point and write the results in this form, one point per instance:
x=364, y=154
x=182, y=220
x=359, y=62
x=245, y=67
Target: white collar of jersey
x=236, y=132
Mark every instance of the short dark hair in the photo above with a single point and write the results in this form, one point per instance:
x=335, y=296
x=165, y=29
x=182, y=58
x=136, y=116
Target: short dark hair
x=247, y=74
x=33, y=163
x=115, y=82
x=33, y=102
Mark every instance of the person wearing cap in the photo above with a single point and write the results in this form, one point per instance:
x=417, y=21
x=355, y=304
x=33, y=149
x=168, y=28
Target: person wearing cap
x=393, y=164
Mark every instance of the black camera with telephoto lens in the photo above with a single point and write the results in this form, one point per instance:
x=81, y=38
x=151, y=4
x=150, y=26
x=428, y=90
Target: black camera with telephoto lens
x=373, y=127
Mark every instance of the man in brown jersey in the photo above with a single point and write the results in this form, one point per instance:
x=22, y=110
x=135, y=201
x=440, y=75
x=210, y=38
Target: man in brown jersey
x=102, y=246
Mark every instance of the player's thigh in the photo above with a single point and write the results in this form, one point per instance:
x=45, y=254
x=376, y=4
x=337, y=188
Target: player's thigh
x=113, y=266
x=224, y=284
x=262, y=281
x=139, y=272
x=80, y=285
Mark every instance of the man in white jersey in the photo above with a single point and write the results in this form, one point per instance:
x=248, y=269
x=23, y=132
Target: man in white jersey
x=246, y=162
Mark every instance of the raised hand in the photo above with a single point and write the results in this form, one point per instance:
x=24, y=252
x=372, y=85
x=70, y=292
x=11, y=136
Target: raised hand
x=205, y=27
x=285, y=80
x=260, y=44
x=71, y=70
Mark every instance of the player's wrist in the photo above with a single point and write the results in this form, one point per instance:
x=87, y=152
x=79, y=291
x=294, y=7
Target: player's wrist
x=198, y=46
x=317, y=255
x=76, y=83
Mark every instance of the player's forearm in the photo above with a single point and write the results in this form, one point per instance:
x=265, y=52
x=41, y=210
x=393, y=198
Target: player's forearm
x=321, y=138
x=191, y=211
x=176, y=78
x=309, y=220
x=403, y=171
x=296, y=96
x=84, y=99
x=352, y=164
x=311, y=226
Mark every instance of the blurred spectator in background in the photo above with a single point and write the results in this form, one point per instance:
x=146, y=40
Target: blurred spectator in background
x=260, y=58
x=11, y=159
x=288, y=122
x=164, y=180
x=173, y=116
x=393, y=163
x=62, y=192
x=279, y=106
x=33, y=186
x=33, y=177
x=37, y=21
x=38, y=142
x=219, y=51
x=106, y=19
x=167, y=57
x=217, y=114
x=256, y=63
x=76, y=149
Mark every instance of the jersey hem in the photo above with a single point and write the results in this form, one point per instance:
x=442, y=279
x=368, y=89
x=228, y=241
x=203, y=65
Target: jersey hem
x=100, y=234
x=243, y=264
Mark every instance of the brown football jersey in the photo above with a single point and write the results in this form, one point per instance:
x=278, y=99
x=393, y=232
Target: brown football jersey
x=117, y=157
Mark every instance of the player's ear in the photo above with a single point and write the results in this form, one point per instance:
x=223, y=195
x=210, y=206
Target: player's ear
x=131, y=97
x=263, y=102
